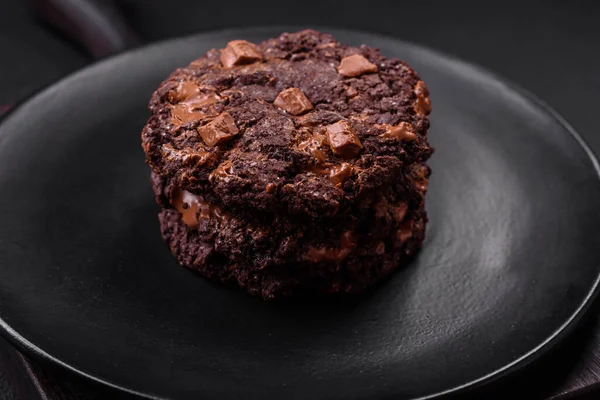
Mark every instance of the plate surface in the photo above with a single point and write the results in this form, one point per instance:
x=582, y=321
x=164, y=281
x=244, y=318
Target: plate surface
x=509, y=266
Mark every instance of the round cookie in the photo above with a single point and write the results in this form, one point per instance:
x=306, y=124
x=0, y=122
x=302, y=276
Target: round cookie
x=292, y=165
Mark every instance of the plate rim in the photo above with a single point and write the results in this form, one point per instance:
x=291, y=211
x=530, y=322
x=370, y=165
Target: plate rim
x=563, y=331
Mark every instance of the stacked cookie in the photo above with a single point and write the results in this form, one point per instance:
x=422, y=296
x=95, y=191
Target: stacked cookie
x=294, y=165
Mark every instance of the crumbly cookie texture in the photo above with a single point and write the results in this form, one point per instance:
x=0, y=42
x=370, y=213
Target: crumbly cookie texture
x=293, y=165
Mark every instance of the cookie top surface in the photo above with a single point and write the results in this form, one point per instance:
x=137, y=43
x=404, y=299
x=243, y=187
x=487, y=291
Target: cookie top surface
x=300, y=123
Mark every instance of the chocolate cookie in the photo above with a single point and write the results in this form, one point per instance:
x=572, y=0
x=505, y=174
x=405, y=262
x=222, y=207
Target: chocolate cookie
x=296, y=164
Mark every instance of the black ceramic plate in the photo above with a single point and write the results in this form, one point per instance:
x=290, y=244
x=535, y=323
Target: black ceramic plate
x=509, y=266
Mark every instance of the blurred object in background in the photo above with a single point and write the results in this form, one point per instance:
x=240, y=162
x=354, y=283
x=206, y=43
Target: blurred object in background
x=43, y=40
x=97, y=25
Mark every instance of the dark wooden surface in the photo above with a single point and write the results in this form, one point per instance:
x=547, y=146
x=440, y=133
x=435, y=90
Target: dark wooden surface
x=549, y=47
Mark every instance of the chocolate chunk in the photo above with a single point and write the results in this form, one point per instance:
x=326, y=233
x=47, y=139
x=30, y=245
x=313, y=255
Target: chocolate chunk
x=313, y=144
x=328, y=254
x=222, y=172
x=423, y=103
x=336, y=174
x=219, y=131
x=340, y=173
x=343, y=140
x=188, y=99
x=356, y=65
x=239, y=52
x=319, y=169
x=192, y=94
x=184, y=90
x=202, y=99
x=271, y=188
x=187, y=204
x=294, y=101
x=188, y=156
x=402, y=131
x=183, y=113
x=193, y=208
